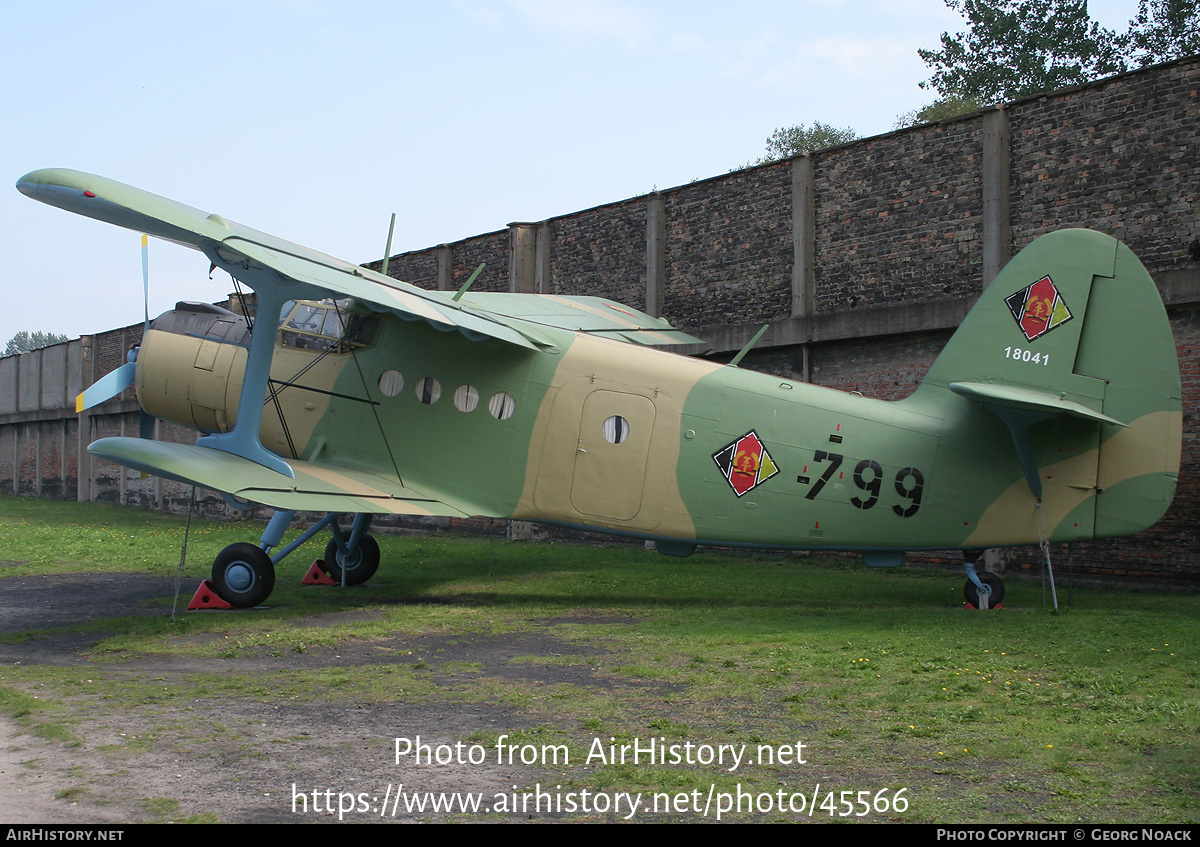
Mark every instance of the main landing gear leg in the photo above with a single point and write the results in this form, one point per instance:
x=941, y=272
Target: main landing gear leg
x=352, y=561
x=243, y=575
x=982, y=590
x=276, y=527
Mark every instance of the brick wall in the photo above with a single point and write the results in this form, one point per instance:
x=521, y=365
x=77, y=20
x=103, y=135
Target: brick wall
x=491, y=249
x=729, y=248
x=899, y=218
x=421, y=269
x=602, y=252
x=1120, y=156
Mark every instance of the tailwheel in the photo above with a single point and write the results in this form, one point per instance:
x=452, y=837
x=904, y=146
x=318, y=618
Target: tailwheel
x=995, y=583
x=359, y=565
x=243, y=575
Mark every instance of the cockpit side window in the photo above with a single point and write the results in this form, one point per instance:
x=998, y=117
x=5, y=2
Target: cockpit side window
x=333, y=324
x=307, y=319
x=309, y=325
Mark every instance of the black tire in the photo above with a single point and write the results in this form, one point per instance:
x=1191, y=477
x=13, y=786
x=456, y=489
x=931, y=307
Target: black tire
x=243, y=575
x=971, y=593
x=359, y=568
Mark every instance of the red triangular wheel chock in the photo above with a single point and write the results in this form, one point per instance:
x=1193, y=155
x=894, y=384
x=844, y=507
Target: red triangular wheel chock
x=316, y=574
x=206, y=597
x=998, y=607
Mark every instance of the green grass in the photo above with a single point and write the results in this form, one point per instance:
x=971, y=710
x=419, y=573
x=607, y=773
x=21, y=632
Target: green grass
x=1091, y=714
x=34, y=713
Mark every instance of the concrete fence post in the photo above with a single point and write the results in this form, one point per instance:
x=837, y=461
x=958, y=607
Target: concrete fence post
x=997, y=230
x=656, y=253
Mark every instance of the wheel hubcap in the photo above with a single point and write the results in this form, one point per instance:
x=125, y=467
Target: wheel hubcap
x=239, y=576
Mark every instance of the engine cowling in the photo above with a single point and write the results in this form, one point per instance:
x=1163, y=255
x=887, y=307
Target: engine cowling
x=190, y=366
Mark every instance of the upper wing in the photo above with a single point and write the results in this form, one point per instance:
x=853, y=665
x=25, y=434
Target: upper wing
x=260, y=259
x=593, y=315
x=248, y=254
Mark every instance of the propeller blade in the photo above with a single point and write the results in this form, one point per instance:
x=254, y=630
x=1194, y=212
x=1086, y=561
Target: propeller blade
x=112, y=384
x=146, y=281
x=107, y=387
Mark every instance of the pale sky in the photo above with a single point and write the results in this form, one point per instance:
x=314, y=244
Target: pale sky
x=314, y=120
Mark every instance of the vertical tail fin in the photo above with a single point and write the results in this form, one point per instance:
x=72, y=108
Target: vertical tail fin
x=1073, y=331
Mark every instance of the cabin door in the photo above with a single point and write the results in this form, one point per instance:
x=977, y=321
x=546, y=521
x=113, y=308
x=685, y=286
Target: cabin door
x=609, y=478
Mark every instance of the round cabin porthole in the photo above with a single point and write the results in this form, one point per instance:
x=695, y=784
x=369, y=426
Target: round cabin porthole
x=466, y=398
x=391, y=383
x=429, y=390
x=502, y=406
x=616, y=429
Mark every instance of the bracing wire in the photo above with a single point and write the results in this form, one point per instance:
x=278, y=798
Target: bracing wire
x=183, y=553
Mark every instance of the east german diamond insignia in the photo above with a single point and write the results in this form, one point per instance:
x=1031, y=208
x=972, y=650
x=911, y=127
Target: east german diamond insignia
x=1038, y=308
x=745, y=463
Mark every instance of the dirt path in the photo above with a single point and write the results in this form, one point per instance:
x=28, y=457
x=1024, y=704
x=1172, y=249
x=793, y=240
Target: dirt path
x=30, y=773
x=235, y=758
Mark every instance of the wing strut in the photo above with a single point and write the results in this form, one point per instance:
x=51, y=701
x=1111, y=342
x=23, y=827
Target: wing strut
x=243, y=439
x=1018, y=422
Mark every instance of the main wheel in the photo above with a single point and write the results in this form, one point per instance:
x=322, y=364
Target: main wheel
x=971, y=593
x=243, y=575
x=359, y=567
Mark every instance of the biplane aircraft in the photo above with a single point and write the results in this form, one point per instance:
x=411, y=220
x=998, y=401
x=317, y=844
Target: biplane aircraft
x=1053, y=413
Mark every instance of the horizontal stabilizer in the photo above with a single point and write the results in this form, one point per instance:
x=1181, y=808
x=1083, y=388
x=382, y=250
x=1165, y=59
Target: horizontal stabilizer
x=317, y=488
x=1029, y=400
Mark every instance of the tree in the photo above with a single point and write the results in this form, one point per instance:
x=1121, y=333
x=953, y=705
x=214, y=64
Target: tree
x=939, y=110
x=1015, y=48
x=1163, y=30
x=25, y=341
x=789, y=141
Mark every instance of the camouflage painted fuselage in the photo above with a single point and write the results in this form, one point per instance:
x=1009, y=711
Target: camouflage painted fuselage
x=1053, y=412
x=696, y=452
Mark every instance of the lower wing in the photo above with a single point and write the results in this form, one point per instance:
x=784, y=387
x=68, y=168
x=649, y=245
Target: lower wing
x=317, y=487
